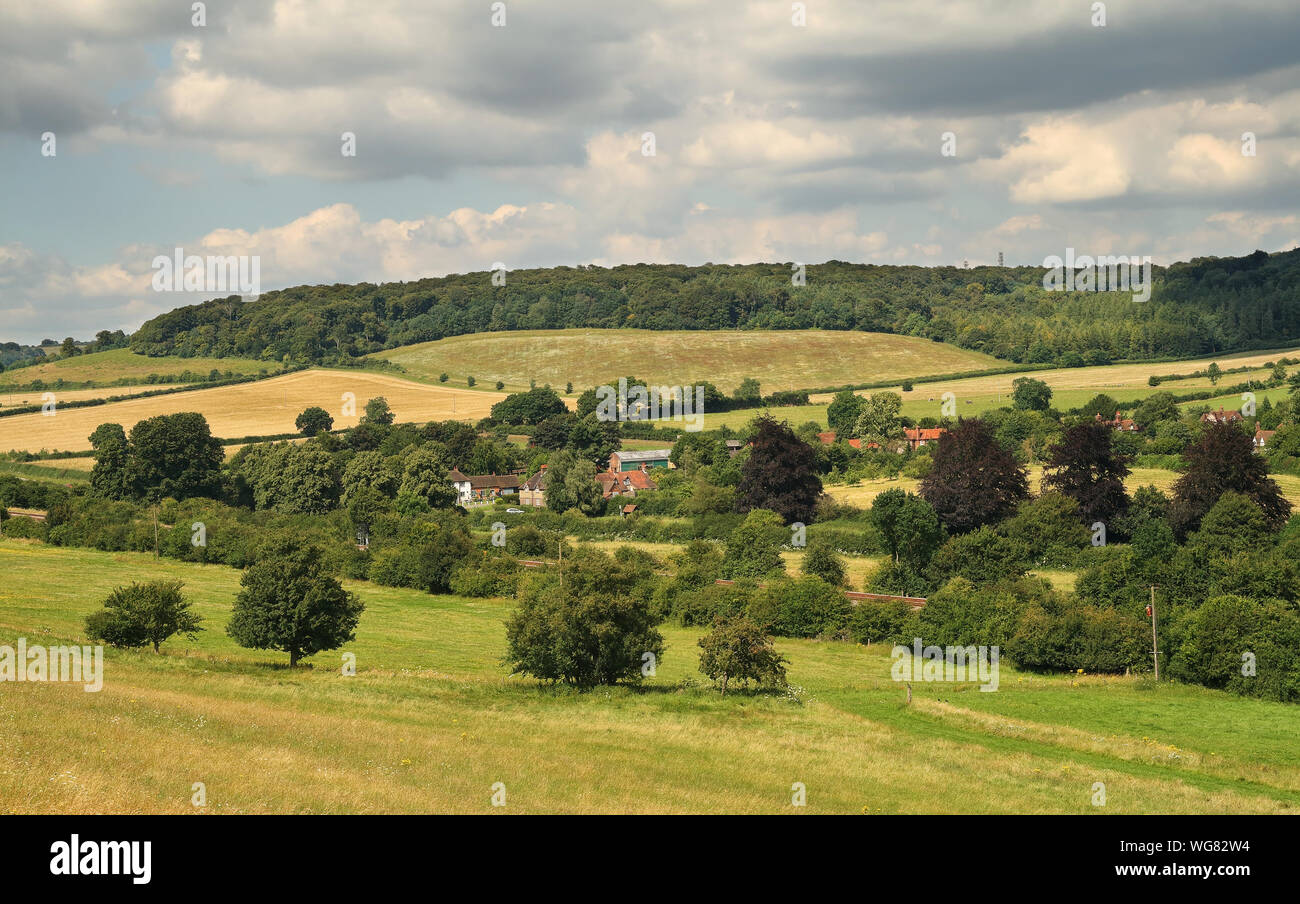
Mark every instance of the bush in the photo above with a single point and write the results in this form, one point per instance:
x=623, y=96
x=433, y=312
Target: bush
x=1229, y=635
x=1067, y=634
x=982, y=556
x=739, y=650
x=807, y=607
x=141, y=614
x=581, y=636
x=493, y=576
x=886, y=621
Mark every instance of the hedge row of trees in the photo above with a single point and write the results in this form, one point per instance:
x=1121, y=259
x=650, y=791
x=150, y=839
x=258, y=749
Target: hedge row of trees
x=1201, y=307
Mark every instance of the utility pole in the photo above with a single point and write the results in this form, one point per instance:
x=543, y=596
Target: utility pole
x=155, y=530
x=1155, y=643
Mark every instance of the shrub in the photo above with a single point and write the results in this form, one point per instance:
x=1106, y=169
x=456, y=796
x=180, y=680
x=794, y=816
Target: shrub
x=807, y=607
x=1231, y=635
x=739, y=650
x=1067, y=634
x=493, y=576
x=141, y=614
x=885, y=621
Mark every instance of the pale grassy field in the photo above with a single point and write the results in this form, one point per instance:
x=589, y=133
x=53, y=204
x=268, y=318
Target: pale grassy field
x=122, y=362
x=777, y=359
x=1073, y=387
x=432, y=721
x=262, y=408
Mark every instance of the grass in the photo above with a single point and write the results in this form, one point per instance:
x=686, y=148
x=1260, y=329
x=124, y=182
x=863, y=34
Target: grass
x=782, y=359
x=1074, y=387
x=11, y=398
x=432, y=720
x=263, y=408
x=119, y=363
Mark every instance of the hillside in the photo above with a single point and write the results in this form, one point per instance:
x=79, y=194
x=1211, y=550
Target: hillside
x=1207, y=306
x=123, y=366
x=431, y=721
x=778, y=360
x=262, y=408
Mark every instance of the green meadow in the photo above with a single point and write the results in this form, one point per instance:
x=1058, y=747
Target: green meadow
x=432, y=720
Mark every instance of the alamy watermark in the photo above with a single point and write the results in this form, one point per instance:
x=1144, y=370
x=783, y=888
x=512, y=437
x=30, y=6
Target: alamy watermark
x=80, y=665
x=650, y=403
x=215, y=273
x=1107, y=273
x=970, y=663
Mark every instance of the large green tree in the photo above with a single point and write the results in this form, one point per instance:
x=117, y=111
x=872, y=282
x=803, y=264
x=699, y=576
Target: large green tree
x=290, y=602
x=175, y=455
x=1224, y=459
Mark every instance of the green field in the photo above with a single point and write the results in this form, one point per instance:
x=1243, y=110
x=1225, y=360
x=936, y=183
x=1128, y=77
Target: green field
x=432, y=721
x=119, y=363
x=783, y=359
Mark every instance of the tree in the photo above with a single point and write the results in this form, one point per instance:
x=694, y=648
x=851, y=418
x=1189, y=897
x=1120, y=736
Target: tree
x=1234, y=525
x=737, y=649
x=1028, y=394
x=531, y=407
x=1101, y=404
x=289, y=602
x=175, y=455
x=111, y=475
x=1085, y=467
x=1223, y=459
x=314, y=420
x=378, y=412
x=1214, y=372
x=141, y=614
x=821, y=560
x=69, y=348
x=842, y=413
x=470, y=381
x=908, y=525
x=589, y=626
x=295, y=479
x=973, y=480
x=571, y=483
x=878, y=420
x=500, y=385
x=425, y=484
x=748, y=390
x=780, y=474
x=754, y=547
x=1157, y=408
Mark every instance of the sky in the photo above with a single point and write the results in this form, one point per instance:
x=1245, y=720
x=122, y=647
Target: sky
x=565, y=132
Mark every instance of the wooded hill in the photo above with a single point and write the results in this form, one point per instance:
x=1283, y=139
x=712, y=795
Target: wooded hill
x=1205, y=306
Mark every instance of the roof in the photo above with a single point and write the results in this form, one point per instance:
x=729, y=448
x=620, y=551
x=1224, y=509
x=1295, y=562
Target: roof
x=629, y=509
x=828, y=437
x=925, y=433
x=537, y=481
x=455, y=476
x=486, y=481
x=612, y=482
x=643, y=454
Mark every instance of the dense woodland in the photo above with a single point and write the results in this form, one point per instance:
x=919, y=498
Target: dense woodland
x=1205, y=306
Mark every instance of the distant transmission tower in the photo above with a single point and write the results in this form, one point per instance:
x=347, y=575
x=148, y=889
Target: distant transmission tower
x=999, y=258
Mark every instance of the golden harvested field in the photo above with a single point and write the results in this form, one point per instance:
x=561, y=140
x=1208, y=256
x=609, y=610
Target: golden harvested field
x=33, y=397
x=117, y=363
x=252, y=409
x=781, y=359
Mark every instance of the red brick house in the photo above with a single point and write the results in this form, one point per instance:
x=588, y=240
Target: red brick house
x=1123, y=424
x=1262, y=438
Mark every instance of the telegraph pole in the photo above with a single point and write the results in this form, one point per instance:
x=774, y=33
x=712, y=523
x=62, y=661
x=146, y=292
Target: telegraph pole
x=1155, y=644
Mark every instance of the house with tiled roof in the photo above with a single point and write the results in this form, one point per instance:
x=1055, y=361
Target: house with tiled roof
x=1221, y=417
x=1262, y=438
x=623, y=483
x=1124, y=424
x=483, y=487
x=533, y=490
x=922, y=436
